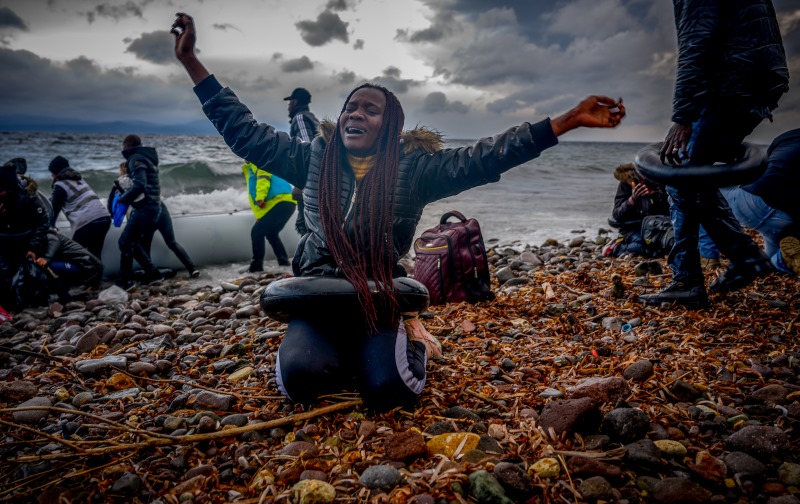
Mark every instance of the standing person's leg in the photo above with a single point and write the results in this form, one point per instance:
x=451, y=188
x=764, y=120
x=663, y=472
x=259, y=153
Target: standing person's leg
x=144, y=220
x=684, y=258
x=717, y=136
x=147, y=237
x=127, y=239
x=168, y=233
x=688, y=284
x=92, y=236
x=276, y=219
x=258, y=234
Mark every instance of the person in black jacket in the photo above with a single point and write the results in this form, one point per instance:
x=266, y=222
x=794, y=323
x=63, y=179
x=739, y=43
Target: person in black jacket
x=635, y=200
x=303, y=124
x=24, y=222
x=68, y=264
x=142, y=168
x=731, y=73
x=364, y=193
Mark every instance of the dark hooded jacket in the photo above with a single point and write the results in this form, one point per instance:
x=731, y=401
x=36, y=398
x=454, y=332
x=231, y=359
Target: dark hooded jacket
x=780, y=182
x=729, y=51
x=427, y=172
x=62, y=248
x=24, y=227
x=143, y=171
x=627, y=214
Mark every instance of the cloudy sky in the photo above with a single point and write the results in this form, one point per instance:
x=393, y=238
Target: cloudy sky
x=465, y=67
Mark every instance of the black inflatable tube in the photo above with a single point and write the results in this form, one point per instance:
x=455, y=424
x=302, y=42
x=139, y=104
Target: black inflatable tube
x=749, y=168
x=296, y=297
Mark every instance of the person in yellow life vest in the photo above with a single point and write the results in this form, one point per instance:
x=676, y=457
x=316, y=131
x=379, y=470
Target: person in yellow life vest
x=273, y=205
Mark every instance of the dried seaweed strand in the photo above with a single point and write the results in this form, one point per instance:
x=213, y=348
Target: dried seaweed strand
x=179, y=440
x=43, y=434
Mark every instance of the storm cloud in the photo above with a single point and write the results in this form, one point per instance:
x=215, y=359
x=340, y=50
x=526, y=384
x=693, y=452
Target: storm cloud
x=116, y=12
x=328, y=27
x=10, y=19
x=155, y=47
x=437, y=103
x=300, y=64
x=85, y=89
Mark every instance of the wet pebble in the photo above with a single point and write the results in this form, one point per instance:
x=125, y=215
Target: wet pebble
x=32, y=416
x=381, y=476
x=212, y=400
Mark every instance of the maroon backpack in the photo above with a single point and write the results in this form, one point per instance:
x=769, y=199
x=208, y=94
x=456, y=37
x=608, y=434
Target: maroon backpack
x=451, y=261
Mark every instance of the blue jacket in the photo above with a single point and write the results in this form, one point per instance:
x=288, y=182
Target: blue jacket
x=728, y=50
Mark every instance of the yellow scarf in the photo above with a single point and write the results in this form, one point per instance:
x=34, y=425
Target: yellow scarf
x=361, y=165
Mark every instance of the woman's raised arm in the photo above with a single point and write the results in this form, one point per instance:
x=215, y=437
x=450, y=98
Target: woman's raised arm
x=185, y=40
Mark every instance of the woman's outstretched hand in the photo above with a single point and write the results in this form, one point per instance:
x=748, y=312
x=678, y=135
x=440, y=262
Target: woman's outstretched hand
x=592, y=112
x=185, y=40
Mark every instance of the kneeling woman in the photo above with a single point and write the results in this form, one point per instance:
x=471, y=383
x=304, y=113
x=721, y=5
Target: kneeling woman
x=364, y=190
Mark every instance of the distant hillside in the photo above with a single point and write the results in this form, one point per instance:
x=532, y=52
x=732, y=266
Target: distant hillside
x=39, y=123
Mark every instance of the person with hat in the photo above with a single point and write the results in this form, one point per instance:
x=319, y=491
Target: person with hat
x=142, y=168
x=303, y=124
x=84, y=210
x=19, y=164
x=24, y=222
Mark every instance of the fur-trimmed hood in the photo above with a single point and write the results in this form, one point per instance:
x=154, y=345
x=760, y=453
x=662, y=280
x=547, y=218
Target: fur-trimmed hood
x=626, y=173
x=29, y=185
x=419, y=138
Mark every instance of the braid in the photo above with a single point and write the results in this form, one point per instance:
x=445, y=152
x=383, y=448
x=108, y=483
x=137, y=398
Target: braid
x=371, y=253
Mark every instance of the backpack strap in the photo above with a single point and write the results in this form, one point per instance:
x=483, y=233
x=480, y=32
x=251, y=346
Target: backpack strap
x=452, y=213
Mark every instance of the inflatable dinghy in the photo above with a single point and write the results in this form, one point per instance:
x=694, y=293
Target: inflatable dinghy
x=303, y=296
x=208, y=239
x=749, y=168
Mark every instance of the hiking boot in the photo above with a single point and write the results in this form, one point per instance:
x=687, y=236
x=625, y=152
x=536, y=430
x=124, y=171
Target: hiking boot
x=741, y=275
x=692, y=296
x=790, y=252
x=708, y=263
x=284, y=262
x=194, y=273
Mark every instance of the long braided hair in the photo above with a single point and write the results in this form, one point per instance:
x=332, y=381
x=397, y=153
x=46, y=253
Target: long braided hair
x=370, y=252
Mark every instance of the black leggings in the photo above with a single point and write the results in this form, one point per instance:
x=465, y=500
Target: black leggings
x=268, y=228
x=164, y=226
x=93, y=235
x=324, y=357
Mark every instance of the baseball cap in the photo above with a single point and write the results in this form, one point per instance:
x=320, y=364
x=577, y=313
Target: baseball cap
x=300, y=94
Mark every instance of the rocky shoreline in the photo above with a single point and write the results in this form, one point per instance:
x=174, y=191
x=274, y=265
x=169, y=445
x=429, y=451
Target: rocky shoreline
x=563, y=389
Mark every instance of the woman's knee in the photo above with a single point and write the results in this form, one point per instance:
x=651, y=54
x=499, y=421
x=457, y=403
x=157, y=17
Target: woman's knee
x=307, y=365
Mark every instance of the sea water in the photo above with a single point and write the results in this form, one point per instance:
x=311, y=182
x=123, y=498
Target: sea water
x=568, y=191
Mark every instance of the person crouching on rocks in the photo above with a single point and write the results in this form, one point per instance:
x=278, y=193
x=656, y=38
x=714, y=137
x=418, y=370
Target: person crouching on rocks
x=365, y=184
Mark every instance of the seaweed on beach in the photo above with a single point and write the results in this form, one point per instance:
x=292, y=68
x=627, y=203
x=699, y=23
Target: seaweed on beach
x=563, y=389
